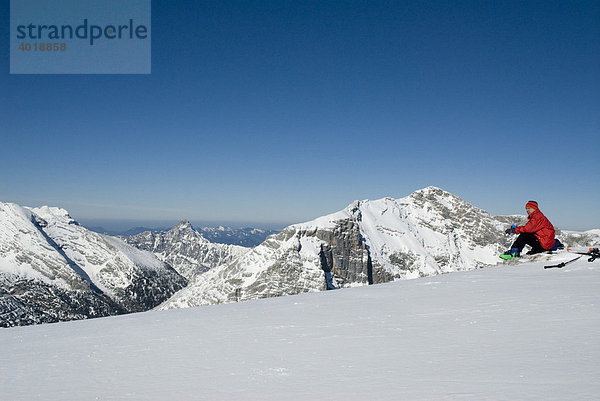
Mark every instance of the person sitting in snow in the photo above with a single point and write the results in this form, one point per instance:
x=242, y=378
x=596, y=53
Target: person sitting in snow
x=538, y=233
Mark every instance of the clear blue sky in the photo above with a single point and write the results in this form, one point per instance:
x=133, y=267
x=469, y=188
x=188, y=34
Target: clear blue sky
x=282, y=111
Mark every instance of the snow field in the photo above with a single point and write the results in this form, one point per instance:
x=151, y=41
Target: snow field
x=514, y=332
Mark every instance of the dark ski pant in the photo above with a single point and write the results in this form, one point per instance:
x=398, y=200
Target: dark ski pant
x=528, y=239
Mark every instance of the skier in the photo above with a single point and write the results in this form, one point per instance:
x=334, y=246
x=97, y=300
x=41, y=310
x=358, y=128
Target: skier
x=538, y=233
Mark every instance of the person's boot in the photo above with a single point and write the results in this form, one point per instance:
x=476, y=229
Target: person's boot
x=512, y=253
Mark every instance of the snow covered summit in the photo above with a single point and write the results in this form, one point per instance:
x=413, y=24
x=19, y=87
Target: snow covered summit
x=431, y=231
x=428, y=232
x=53, y=269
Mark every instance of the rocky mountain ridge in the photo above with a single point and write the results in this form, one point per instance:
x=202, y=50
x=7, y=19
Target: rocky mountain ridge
x=428, y=232
x=53, y=269
x=185, y=249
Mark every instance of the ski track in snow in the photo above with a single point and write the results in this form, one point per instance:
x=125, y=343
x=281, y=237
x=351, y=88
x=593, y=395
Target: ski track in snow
x=513, y=332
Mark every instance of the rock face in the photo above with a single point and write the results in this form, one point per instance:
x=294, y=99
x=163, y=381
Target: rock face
x=426, y=233
x=52, y=269
x=186, y=249
x=29, y=301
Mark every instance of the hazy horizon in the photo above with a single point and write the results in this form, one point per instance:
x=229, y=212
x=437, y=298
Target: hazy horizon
x=124, y=225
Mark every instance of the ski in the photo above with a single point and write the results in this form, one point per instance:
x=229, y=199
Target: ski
x=562, y=264
x=593, y=253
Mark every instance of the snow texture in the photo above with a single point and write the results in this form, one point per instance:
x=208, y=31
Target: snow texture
x=26, y=252
x=512, y=332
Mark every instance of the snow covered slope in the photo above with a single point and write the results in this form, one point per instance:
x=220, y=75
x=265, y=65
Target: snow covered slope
x=503, y=333
x=51, y=268
x=37, y=282
x=26, y=251
x=186, y=249
x=427, y=233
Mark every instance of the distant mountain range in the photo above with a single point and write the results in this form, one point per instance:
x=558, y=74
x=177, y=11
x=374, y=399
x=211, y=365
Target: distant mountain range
x=53, y=269
x=247, y=236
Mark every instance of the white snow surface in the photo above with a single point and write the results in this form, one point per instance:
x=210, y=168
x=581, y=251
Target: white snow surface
x=108, y=261
x=512, y=332
x=25, y=252
x=45, y=244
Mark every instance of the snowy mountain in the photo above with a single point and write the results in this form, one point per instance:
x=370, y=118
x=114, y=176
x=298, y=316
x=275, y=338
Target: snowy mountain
x=426, y=233
x=186, y=249
x=495, y=334
x=52, y=269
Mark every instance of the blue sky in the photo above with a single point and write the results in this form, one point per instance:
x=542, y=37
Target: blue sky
x=281, y=111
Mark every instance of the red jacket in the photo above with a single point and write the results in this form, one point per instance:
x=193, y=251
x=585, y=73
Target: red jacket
x=541, y=226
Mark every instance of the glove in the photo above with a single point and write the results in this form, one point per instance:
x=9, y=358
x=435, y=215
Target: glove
x=511, y=230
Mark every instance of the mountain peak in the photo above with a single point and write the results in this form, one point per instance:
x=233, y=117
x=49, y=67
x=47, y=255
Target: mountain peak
x=432, y=190
x=53, y=269
x=183, y=225
x=53, y=213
